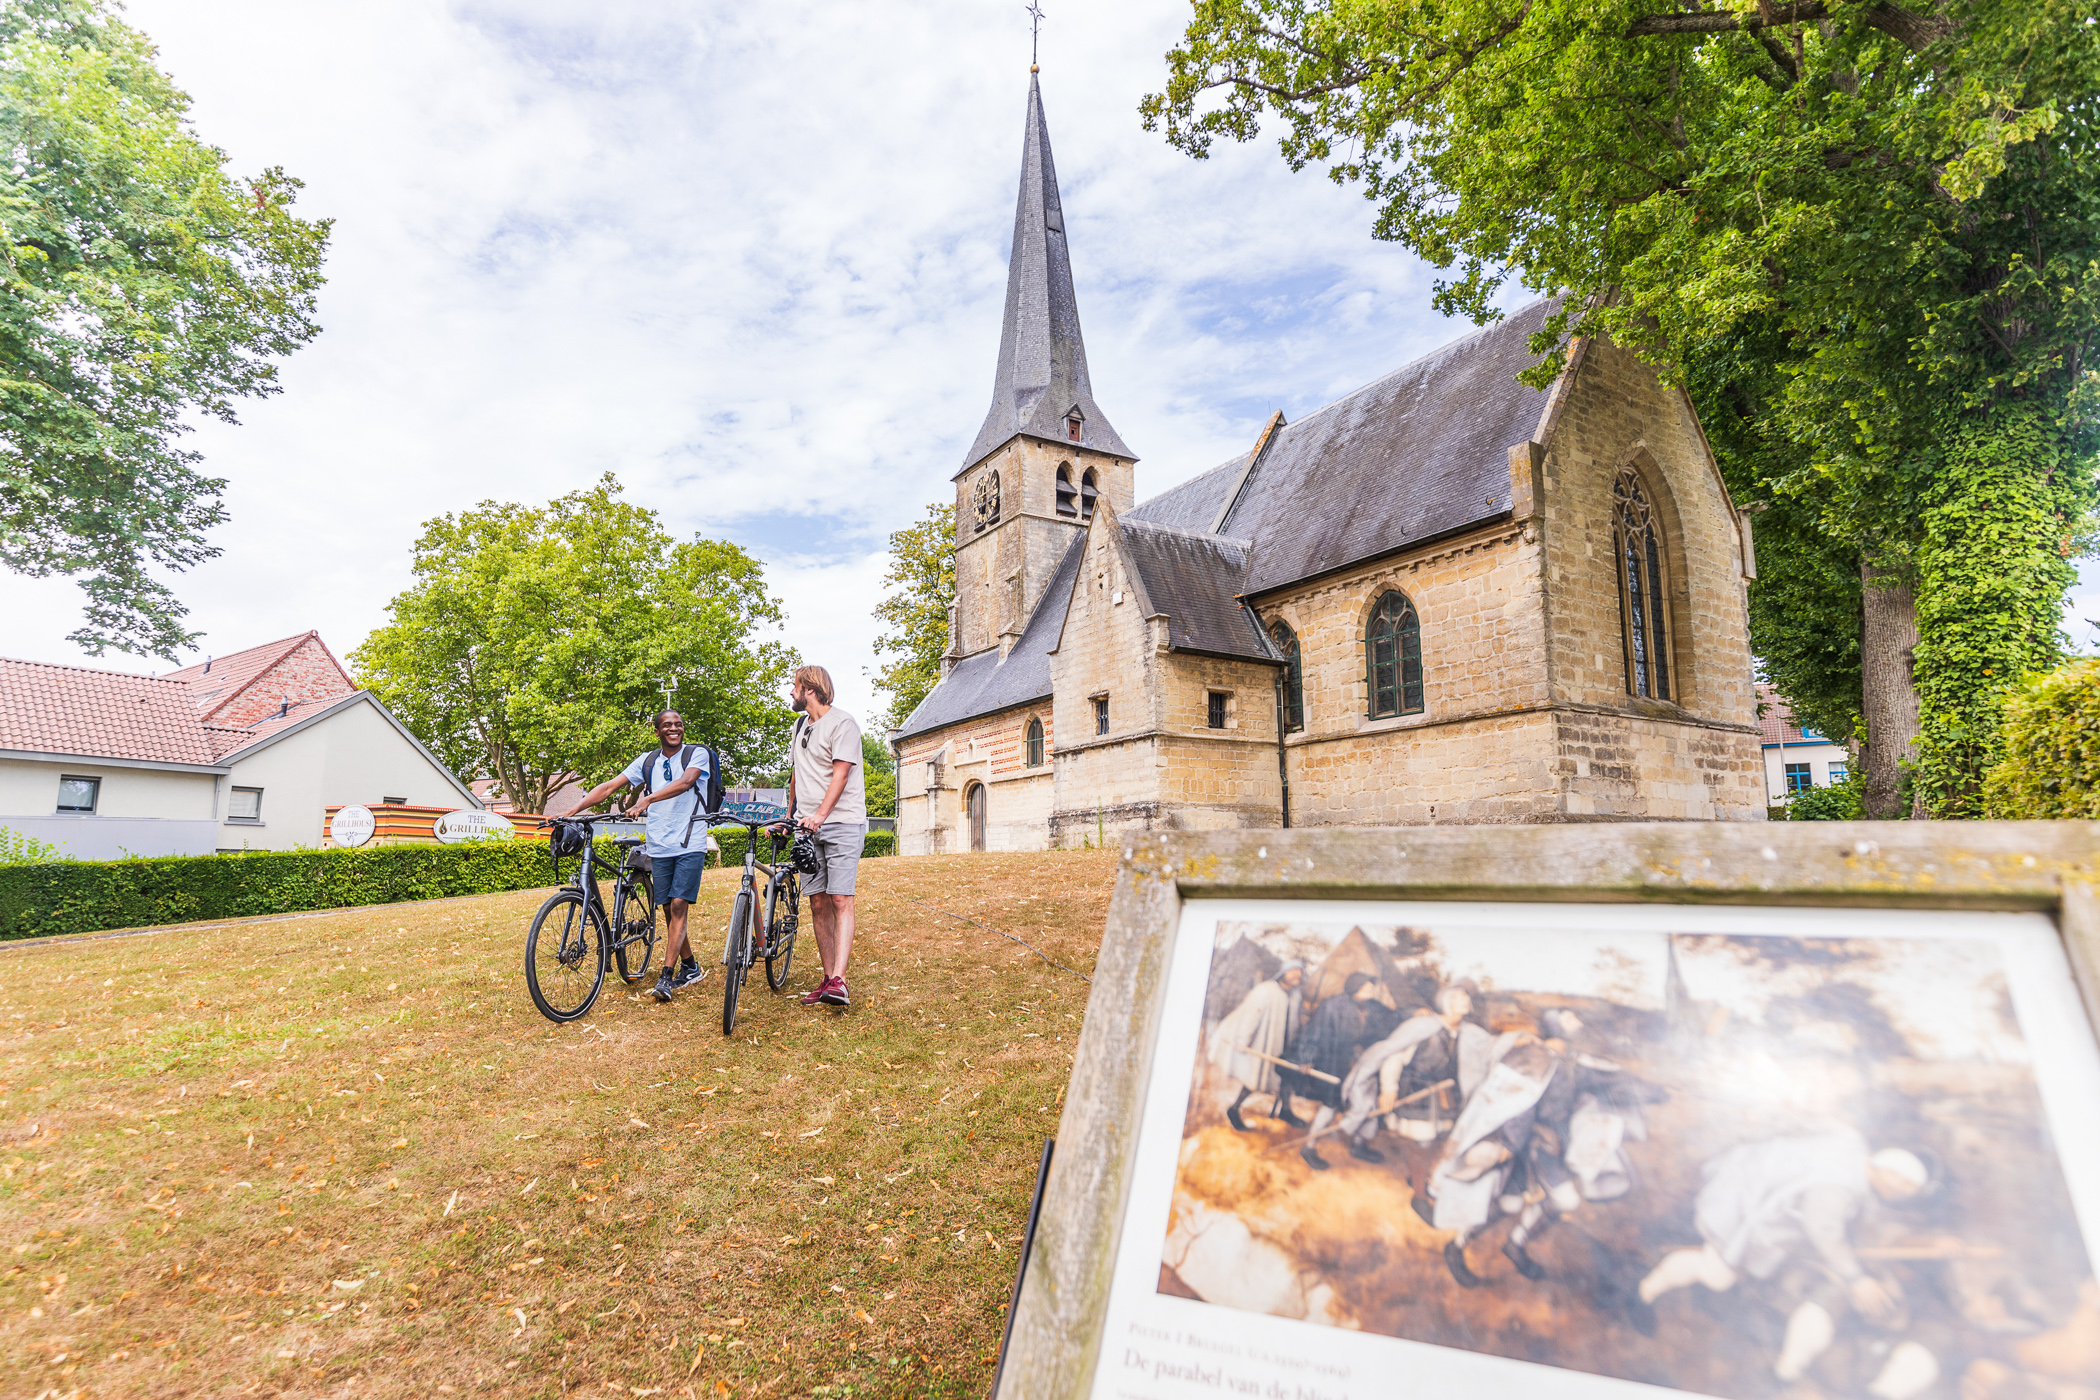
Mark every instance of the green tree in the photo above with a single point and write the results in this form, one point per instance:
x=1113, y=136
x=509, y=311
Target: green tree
x=879, y=772
x=1863, y=235
x=536, y=644
x=143, y=284
x=919, y=591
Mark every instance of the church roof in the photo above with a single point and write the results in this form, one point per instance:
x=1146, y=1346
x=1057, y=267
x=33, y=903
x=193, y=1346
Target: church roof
x=1042, y=360
x=1418, y=454
x=986, y=682
x=1195, y=579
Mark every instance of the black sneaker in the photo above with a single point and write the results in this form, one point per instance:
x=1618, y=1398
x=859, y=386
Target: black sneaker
x=664, y=986
x=689, y=972
x=834, y=993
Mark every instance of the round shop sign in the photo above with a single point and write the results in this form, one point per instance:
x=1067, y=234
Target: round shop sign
x=468, y=825
x=351, y=826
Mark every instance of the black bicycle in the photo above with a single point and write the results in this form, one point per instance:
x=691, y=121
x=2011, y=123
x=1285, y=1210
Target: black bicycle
x=749, y=939
x=572, y=941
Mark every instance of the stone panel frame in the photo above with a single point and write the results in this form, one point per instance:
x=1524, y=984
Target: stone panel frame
x=2051, y=867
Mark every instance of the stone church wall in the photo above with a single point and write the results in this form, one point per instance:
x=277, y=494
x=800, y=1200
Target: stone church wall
x=1699, y=756
x=991, y=750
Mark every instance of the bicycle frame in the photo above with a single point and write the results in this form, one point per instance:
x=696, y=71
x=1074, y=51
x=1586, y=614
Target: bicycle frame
x=586, y=880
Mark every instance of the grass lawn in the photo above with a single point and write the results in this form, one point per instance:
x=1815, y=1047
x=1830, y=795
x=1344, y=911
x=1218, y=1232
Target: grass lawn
x=342, y=1155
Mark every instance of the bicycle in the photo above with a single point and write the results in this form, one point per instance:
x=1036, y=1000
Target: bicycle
x=570, y=932
x=782, y=917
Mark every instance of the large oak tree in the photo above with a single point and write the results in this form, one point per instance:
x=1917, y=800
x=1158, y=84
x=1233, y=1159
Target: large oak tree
x=1865, y=235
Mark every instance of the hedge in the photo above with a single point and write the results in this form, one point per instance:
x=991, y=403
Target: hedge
x=2049, y=734
x=37, y=901
x=733, y=839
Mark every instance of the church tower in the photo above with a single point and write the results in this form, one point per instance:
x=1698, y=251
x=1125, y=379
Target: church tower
x=1046, y=453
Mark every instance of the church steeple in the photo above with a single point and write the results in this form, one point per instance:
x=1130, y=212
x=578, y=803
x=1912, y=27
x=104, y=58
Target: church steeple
x=1042, y=388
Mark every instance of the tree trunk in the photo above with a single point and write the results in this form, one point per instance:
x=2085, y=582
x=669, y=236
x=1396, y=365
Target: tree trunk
x=1888, y=696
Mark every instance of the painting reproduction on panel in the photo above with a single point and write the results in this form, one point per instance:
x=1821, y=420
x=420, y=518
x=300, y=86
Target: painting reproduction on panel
x=1748, y=1166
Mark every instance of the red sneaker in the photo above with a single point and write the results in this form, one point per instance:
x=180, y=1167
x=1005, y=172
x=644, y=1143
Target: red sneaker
x=833, y=993
x=816, y=993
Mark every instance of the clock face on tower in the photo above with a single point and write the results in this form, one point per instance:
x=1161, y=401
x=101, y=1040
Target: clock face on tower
x=984, y=500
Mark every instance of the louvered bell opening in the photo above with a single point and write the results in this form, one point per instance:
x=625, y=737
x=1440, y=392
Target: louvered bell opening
x=1067, y=498
x=1087, y=496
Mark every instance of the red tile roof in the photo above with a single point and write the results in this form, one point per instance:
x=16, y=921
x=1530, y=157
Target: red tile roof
x=1777, y=724
x=98, y=714
x=248, y=685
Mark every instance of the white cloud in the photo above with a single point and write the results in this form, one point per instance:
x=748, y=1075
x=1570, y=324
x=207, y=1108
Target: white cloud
x=749, y=258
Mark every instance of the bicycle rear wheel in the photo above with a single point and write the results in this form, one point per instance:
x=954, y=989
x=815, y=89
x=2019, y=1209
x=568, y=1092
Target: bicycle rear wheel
x=565, y=957
x=634, y=925
x=736, y=959
x=783, y=919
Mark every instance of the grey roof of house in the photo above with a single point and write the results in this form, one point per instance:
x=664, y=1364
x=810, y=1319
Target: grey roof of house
x=1195, y=578
x=1418, y=454
x=1042, y=359
x=983, y=683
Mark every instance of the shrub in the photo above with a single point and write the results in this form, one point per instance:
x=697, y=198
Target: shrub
x=1840, y=802
x=2050, y=738
x=20, y=848
x=84, y=896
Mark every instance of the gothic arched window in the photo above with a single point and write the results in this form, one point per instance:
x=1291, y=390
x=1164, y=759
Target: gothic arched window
x=1034, y=744
x=1393, y=647
x=1293, y=675
x=1088, y=491
x=1637, y=545
x=1067, y=498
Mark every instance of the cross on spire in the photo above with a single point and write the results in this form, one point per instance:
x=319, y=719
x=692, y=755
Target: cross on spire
x=1035, y=24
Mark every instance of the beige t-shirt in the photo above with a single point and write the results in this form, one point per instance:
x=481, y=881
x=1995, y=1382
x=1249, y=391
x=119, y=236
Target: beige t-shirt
x=817, y=746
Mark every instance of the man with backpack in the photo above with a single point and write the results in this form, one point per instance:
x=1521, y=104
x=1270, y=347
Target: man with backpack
x=677, y=845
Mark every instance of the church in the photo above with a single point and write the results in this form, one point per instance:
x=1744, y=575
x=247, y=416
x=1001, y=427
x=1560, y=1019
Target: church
x=1446, y=597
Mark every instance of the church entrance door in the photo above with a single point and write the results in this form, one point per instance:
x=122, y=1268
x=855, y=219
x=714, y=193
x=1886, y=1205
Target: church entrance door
x=974, y=800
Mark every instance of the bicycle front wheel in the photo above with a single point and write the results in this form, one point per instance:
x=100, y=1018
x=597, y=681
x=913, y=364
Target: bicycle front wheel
x=565, y=957
x=783, y=919
x=736, y=959
x=634, y=924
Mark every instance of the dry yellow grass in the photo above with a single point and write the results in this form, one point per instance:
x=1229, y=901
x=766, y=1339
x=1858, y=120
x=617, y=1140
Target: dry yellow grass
x=342, y=1155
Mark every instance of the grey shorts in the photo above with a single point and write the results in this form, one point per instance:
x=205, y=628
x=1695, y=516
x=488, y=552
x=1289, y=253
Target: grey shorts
x=838, y=845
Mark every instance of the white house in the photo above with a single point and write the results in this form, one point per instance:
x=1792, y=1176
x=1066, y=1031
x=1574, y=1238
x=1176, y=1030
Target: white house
x=1796, y=759
x=239, y=753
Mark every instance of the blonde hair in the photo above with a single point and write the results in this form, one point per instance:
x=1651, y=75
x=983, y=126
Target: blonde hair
x=815, y=678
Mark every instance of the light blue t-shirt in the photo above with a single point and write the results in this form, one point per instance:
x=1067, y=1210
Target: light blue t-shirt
x=668, y=820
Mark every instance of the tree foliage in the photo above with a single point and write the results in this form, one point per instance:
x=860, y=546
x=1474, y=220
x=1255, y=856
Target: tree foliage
x=537, y=644
x=1867, y=238
x=919, y=589
x=2050, y=764
x=878, y=767
x=143, y=283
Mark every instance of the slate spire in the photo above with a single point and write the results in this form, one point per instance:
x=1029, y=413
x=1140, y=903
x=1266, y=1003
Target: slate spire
x=1042, y=374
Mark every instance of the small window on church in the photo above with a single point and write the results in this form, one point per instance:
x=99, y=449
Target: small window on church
x=1393, y=647
x=1293, y=675
x=1637, y=544
x=1101, y=714
x=1088, y=492
x=1034, y=745
x=1216, y=715
x=1075, y=421
x=1067, y=498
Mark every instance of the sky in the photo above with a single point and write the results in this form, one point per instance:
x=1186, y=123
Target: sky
x=749, y=259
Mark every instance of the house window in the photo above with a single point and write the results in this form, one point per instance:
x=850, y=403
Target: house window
x=245, y=805
x=394, y=801
x=1799, y=778
x=1837, y=773
x=78, y=794
x=1217, y=709
x=1637, y=545
x=1293, y=675
x=1034, y=743
x=1101, y=714
x=1067, y=495
x=1393, y=645
x=1088, y=490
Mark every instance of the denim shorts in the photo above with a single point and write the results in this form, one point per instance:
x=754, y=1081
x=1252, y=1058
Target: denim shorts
x=838, y=851
x=678, y=877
